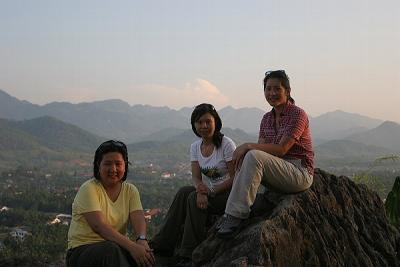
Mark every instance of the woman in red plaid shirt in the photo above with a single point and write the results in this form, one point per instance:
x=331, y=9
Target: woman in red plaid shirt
x=282, y=160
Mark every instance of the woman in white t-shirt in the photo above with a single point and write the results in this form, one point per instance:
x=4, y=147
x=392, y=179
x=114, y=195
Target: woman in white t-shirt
x=212, y=175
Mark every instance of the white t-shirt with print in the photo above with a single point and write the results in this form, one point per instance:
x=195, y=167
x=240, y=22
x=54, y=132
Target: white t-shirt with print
x=213, y=168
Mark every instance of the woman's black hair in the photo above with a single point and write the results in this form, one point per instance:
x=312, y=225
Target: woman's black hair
x=107, y=147
x=282, y=77
x=199, y=111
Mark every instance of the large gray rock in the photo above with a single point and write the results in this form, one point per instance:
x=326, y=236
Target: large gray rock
x=335, y=223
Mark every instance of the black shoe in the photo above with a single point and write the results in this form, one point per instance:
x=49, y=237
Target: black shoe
x=228, y=226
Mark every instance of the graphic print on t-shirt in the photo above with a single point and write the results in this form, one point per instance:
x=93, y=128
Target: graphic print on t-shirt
x=211, y=172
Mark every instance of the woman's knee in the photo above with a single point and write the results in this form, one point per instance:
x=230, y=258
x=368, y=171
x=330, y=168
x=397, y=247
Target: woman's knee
x=184, y=192
x=105, y=249
x=113, y=254
x=109, y=247
x=255, y=158
x=308, y=181
x=192, y=198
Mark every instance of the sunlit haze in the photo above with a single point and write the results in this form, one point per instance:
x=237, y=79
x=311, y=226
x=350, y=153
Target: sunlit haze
x=339, y=54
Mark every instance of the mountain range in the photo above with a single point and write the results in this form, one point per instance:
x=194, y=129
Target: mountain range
x=60, y=129
x=119, y=120
x=44, y=141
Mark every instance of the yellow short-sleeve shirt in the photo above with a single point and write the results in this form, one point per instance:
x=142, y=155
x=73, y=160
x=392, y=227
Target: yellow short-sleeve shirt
x=92, y=196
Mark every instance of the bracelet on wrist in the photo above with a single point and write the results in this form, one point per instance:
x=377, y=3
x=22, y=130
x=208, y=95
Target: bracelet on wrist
x=141, y=237
x=212, y=192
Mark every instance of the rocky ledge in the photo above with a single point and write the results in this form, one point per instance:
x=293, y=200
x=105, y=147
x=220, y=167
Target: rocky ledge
x=334, y=223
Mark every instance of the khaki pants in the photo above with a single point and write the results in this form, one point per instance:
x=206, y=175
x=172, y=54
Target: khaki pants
x=259, y=167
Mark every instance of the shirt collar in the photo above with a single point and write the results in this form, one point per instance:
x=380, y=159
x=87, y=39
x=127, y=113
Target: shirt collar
x=285, y=108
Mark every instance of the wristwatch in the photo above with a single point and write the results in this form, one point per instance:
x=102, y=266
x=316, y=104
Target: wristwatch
x=141, y=237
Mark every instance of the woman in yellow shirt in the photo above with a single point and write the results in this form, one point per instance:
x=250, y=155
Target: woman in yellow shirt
x=100, y=214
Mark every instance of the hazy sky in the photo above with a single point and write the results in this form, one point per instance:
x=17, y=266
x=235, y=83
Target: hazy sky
x=339, y=54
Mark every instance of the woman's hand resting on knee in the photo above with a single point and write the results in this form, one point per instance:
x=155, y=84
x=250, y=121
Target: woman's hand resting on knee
x=143, y=256
x=202, y=201
x=238, y=155
x=201, y=188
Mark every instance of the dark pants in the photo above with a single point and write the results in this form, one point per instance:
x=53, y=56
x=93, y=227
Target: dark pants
x=184, y=219
x=101, y=254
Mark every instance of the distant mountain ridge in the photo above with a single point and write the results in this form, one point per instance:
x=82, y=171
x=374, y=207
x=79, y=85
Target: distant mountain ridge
x=41, y=141
x=15, y=109
x=46, y=140
x=347, y=150
x=176, y=148
x=247, y=119
x=386, y=135
x=339, y=124
x=117, y=119
x=58, y=135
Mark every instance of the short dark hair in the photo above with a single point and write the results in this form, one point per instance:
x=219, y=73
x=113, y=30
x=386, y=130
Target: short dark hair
x=282, y=77
x=107, y=147
x=199, y=111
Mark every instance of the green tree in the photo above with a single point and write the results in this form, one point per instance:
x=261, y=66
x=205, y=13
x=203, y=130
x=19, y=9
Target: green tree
x=374, y=182
x=392, y=204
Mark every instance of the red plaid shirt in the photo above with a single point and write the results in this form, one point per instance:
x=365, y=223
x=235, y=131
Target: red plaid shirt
x=294, y=123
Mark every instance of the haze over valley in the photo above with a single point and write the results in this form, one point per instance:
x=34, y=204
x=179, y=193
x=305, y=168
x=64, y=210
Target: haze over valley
x=61, y=130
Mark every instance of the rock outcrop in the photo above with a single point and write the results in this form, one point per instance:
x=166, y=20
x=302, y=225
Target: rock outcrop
x=334, y=223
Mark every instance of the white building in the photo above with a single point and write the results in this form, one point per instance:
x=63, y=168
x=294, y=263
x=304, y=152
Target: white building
x=19, y=233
